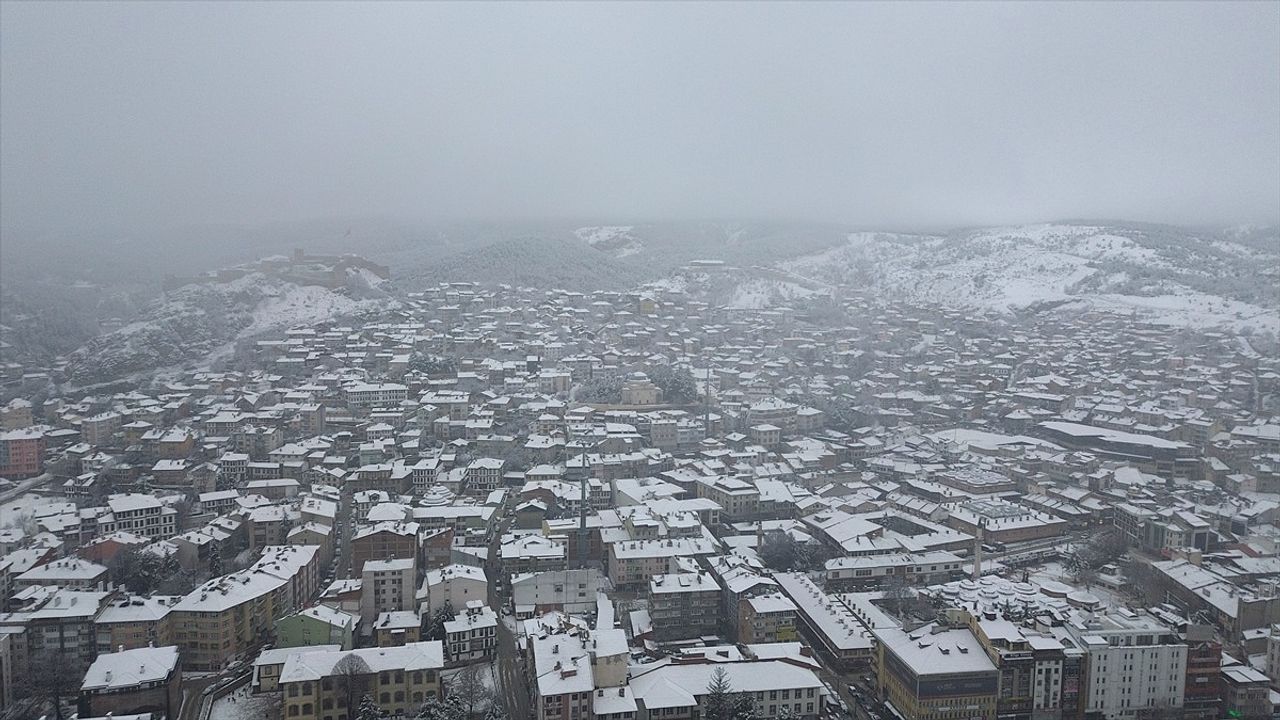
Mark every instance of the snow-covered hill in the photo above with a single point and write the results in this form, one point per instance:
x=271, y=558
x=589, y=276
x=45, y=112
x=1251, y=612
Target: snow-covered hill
x=206, y=319
x=1172, y=275
x=617, y=240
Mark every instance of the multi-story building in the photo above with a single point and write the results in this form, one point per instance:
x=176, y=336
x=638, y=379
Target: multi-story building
x=384, y=541
x=329, y=684
x=135, y=622
x=834, y=627
x=768, y=618
x=471, y=636
x=866, y=572
x=1135, y=662
x=634, y=562
x=777, y=687
x=62, y=628
x=1246, y=693
x=398, y=627
x=69, y=572
x=386, y=586
x=936, y=673
x=21, y=453
x=684, y=605
x=453, y=586
x=484, y=475
x=133, y=682
x=317, y=625
x=367, y=395
x=738, y=499
x=139, y=514
x=1201, y=695
x=225, y=617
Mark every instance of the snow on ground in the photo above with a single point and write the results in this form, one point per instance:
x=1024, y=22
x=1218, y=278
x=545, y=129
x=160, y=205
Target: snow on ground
x=244, y=705
x=22, y=507
x=1008, y=269
x=301, y=305
x=615, y=239
x=602, y=233
x=366, y=275
x=488, y=678
x=1192, y=309
x=1055, y=572
x=756, y=293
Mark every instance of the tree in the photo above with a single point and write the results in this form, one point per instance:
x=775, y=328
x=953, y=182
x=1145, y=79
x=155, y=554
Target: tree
x=140, y=572
x=215, y=561
x=469, y=688
x=779, y=551
x=435, y=627
x=449, y=708
x=369, y=710
x=677, y=384
x=496, y=712
x=350, y=675
x=47, y=679
x=432, y=364
x=718, y=703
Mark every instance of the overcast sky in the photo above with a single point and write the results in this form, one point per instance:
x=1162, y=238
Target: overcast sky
x=910, y=114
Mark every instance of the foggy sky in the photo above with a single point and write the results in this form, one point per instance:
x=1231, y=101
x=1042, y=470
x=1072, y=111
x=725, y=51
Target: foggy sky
x=151, y=115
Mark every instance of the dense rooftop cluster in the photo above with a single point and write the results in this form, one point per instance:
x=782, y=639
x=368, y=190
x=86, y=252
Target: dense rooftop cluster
x=633, y=506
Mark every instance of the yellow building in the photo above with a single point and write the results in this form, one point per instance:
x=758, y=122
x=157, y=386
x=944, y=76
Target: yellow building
x=767, y=619
x=134, y=622
x=328, y=684
x=936, y=673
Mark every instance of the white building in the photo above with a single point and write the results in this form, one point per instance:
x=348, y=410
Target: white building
x=472, y=635
x=139, y=514
x=386, y=586
x=1135, y=662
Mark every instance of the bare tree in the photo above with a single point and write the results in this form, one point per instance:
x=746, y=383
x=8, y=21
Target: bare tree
x=469, y=688
x=351, y=675
x=47, y=678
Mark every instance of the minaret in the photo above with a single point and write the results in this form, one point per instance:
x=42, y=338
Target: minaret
x=582, y=524
x=977, y=549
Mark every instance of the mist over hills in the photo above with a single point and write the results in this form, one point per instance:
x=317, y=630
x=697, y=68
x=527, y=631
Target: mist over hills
x=105, y=310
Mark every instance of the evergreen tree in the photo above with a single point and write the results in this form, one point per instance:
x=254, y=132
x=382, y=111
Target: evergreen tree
x=449, y=708
x=435, y=629
x=718, y=704
x=369, y=710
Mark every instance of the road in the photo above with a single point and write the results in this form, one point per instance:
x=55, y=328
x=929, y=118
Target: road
x=512, y=683
x=346, y=527
x=25, y=486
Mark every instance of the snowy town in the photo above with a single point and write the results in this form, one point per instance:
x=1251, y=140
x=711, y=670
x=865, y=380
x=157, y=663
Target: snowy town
x=494, y=501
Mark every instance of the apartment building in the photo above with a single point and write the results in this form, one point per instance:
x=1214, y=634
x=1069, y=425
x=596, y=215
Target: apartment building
x=683, y=606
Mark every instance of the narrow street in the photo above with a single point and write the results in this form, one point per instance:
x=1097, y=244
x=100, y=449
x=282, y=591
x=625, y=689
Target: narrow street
x=510, y=672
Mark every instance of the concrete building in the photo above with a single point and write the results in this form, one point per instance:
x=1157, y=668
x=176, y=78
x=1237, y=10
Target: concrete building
x=135, y=681
x=386, y=586
x=684, y=606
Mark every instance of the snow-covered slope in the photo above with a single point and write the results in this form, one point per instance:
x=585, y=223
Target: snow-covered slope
x=617, y=240
x=205, y=319
x=1168, y=274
